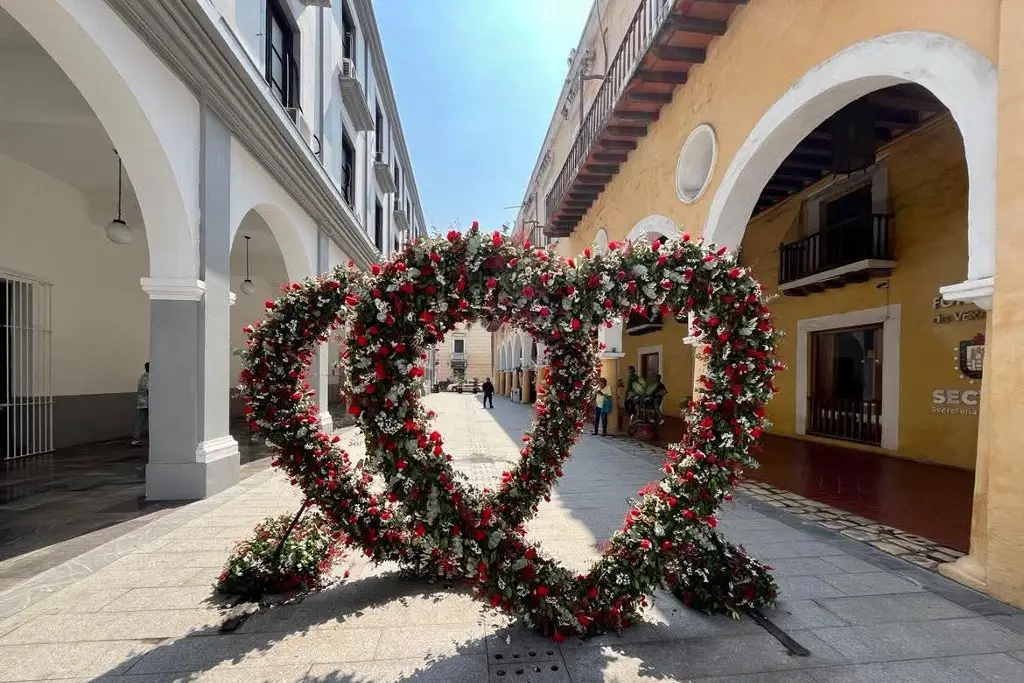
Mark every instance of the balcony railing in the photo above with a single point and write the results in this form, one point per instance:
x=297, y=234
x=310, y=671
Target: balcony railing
x=646, y=24
x=851, y=420
x=459, y=360
x=862, y=238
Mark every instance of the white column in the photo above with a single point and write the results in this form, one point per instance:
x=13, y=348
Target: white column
x=320, y=372
x=192, y=454
x=185, y=463
x=611, y=337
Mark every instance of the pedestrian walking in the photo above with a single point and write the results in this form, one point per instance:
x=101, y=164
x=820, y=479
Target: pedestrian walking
x=142, y=407
x=488, y=393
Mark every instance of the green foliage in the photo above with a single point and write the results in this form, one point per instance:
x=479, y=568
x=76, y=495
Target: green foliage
x=309, y=552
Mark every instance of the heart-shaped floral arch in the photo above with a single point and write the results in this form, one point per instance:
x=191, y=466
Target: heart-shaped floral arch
x=426, y=515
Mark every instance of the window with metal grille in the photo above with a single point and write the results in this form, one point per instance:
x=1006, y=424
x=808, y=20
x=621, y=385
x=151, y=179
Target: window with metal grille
x=378, y=226
x=26, y=394
x=348, y=170
x=379, y=134
x=845, y=400
x=282, y=70
x=348, y=33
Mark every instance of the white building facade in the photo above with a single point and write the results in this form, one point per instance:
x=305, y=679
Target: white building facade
x=164, y=167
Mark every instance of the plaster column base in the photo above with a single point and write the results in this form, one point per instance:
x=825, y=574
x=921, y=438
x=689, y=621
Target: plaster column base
x=326, y=421
x=968, y=570
x=215, y=469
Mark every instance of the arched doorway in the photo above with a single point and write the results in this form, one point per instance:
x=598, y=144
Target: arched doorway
x=862, y=195
x=77, y=152
x=258, y=273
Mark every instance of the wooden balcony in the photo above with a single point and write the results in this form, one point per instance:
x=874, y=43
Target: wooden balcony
x=852, y=251
x=639, y=324
x=664, y=39
x=850, y=420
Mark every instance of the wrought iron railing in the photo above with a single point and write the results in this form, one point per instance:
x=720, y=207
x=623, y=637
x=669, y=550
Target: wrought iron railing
x=855, y=239
x=851, y=420
x=646, y=24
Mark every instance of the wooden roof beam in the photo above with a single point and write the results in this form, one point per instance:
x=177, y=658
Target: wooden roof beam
x=670, y=53
x=661, y=76
x=628, y=115
x=627, y=131
x=652, y=97
x=614, y=157
x=711, y=27
x=618, y=144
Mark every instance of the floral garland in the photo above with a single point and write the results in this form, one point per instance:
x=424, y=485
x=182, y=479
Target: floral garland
x=428, y=517
x=283, y=555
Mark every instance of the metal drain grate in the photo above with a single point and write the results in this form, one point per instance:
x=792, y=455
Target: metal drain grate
x=529, y=672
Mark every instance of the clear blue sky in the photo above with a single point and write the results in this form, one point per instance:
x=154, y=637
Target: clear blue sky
x=476, y=83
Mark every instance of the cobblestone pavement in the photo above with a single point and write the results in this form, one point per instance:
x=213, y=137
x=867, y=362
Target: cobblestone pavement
x=139, y=609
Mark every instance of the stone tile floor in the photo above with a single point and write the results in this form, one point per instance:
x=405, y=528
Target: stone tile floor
x=140, y=608
x=913, y=548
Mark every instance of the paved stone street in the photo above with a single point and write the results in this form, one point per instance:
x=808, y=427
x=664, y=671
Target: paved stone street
x=139, y=608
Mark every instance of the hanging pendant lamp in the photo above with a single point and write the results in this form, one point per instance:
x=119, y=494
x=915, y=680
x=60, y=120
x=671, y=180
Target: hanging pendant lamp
x=247, y=284
x=117, y=230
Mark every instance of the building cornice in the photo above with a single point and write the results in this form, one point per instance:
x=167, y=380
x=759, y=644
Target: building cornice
x=365, y=16
x=196, y=43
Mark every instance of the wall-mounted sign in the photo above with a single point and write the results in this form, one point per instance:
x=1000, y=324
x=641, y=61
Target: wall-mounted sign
x=962, y=313
x=956, y=401
x=970, y=357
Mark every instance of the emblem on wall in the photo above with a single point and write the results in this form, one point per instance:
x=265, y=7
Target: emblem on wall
x=970, y=357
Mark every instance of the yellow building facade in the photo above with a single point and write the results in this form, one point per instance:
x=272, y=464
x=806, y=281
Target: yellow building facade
x=898, y=337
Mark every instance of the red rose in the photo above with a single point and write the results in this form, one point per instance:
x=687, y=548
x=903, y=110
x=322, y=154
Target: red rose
x=495, y=599
x=592, y=593
x=453, y=235
x=541, y=591
x=419, y=529
x=496, y=239
x=491, y=283
x=401, y=464
x=575, y=324
x=375, y=268
x=559, y=638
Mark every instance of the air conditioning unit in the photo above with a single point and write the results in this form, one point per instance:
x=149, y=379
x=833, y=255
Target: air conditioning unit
x=315, y=3
x=304, y=128
x=353, y=99
x=382, y=171
x=348, y=68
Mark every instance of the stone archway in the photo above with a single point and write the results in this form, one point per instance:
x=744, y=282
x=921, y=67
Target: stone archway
x=652, y=228
x=130, y=91
x=961, y=78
